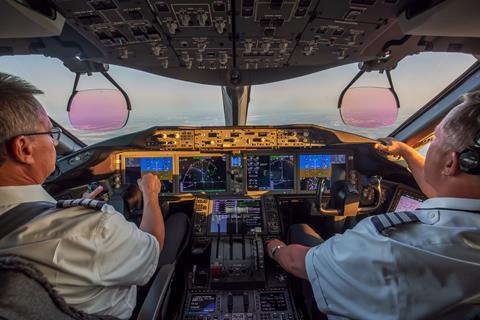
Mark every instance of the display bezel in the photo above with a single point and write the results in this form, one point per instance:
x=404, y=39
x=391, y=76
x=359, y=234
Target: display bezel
x=348, y=164
x=227, y=169
x=124, y=155
x=265, y=153
x=403, y=190
x=212, y=199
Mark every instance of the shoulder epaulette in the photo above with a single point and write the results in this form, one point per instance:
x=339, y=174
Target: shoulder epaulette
x=87, y=203
x=392, y=219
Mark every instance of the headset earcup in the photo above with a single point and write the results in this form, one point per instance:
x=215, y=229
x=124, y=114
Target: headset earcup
x=469, y=160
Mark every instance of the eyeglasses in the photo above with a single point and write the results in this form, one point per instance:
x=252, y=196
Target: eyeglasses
x=55, y=133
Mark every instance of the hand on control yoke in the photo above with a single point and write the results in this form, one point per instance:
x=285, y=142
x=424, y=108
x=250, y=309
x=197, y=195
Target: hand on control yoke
x=393, y=147
x=150, y=185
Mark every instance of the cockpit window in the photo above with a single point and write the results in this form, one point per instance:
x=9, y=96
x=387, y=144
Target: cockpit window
x=156, y=100
x=313, y=98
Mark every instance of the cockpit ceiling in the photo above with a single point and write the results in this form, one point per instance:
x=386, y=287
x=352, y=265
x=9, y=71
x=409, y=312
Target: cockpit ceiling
x=257, y=41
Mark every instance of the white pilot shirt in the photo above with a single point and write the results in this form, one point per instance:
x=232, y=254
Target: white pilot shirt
x=427, y=270
x=94, y=259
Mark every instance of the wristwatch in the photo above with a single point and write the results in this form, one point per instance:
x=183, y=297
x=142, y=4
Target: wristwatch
x=276, y=248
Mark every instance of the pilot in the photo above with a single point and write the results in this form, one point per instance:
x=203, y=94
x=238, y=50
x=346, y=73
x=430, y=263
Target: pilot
x=423, y=264
x=94, y=259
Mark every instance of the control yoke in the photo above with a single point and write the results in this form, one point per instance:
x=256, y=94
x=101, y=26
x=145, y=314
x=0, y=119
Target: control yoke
x=345, y=198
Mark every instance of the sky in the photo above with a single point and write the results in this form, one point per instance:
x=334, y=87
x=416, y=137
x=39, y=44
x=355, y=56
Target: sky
x=158, y=100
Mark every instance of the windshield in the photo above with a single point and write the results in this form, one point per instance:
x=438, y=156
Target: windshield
x=311, y=99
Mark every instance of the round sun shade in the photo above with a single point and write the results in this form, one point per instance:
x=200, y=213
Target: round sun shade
x=369, y=107
x=98, y=110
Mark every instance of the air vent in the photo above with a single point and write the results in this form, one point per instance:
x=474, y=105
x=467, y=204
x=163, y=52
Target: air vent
x=219, y=6
x=90, y=19
x=103, y=5
x=363, y=2
x=276, y=4
x=162, y=7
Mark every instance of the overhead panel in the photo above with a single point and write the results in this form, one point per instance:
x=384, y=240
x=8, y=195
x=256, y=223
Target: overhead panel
x=267, y=31
x=256, y=41
x=199, y=32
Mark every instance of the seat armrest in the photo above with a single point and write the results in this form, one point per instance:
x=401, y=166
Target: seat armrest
x=158, y=295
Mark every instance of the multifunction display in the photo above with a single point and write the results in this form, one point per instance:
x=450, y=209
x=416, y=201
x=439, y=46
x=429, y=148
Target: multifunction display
x=203, y=174
x=236, y=216
x=270, y=172
x=162, y=167
x=202, y=304
x=315, y=167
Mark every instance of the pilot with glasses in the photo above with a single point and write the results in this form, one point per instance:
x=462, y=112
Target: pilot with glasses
x=91, y=255
x=423, y=264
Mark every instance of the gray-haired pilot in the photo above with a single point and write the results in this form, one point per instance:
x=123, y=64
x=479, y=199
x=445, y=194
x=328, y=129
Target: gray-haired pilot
x=94, y=259
x=410, y=265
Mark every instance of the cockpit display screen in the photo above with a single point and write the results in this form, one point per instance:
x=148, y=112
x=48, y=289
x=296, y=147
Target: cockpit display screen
x=202, y=304
x=407, y=203
x=162, y=167
x=270, y=172
x=273, y=302
x=203, y=174
x=236, y=216
x=314, y=167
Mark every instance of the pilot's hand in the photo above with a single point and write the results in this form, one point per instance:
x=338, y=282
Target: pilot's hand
x=270, y=244
x=392, y=147
x=149, y=184
x=93, y=194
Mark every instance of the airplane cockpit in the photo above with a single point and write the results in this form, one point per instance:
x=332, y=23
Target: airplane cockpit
x=242, y=184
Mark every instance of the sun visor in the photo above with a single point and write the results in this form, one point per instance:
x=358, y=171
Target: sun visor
x=20, y=21
x=450, y=18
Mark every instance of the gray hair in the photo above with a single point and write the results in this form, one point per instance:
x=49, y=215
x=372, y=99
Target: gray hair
x=19, y=110
x=462, y=125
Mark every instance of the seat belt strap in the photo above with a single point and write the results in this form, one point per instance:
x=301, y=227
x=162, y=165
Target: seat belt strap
x=21, y=215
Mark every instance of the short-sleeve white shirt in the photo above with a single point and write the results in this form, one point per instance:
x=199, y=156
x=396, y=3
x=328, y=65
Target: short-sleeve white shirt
x=94, y=259
x=427, y=270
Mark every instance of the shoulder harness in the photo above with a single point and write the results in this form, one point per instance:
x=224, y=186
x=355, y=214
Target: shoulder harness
x=392, y=219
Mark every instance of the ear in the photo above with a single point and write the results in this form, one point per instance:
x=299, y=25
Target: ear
x=22, y=150
x=452, y=165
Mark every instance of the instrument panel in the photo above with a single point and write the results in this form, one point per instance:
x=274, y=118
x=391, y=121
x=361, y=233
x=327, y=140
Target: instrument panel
x=237, y=173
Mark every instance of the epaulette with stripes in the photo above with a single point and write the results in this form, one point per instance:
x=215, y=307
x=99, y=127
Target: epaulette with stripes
x=87, y=203
x=392, y=219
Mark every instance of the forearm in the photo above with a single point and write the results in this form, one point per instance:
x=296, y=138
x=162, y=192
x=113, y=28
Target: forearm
x=292, y=259
x=152, y=220
x=416, y=163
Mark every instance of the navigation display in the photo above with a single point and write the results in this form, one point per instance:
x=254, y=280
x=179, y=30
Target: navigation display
x=407, y=203
x=270, y=172
x=314, y=167
x=162, y=167
x=203, y=174
x=202, y=303
x=236, y=216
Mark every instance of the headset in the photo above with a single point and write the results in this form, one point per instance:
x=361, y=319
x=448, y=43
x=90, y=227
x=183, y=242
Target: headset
x=470, y=158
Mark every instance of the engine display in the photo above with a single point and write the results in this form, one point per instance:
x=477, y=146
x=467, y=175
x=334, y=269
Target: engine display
x=270, y=172
x=203, y=174
x=162, y=167
x=236, y=216
x=314, y=167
